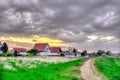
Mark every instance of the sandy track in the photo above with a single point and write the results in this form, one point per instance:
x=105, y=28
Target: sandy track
x=88, y=71
x=43, y=59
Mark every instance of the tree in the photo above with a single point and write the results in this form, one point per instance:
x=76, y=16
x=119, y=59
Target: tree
x=75, y=51
x=33, y=51
x=100, y=52
x=108, y=53
x=84, y=53
x=15, y=53
x=4, y=47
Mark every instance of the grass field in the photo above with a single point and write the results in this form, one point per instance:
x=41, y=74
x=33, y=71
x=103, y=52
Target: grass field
x=13, y=69
x=109, y=67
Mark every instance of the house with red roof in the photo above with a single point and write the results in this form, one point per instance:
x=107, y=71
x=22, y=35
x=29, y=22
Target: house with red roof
x=20, y=51
x=55, y=50
x=43, y=48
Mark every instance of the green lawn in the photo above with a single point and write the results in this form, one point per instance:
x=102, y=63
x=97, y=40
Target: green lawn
x=109, y=67
x=36, y=70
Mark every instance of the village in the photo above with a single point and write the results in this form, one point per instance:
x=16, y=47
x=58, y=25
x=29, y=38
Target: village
x=43, y=49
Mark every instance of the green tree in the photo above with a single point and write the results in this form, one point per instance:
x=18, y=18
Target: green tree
x=75, y=51
x=100, y=52
x=84, y=53
x=108, y=53
x=15, y=53
x=4, y=47
x=33, y=51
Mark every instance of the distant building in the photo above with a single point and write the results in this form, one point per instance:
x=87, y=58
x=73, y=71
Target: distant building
x=69, y=54
x=43, y=48
x=20, y=51
x=55, y=51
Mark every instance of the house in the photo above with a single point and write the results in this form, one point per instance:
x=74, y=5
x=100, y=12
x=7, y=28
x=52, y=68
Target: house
x=55, y=51
x=43, y=48
x=78, y=54
x=20, y=51
x=69, y=54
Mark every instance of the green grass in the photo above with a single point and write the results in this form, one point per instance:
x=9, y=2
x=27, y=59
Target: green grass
x=43, y=71
x=109, y=67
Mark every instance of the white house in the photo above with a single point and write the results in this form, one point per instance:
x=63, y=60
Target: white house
x=20, y=51
x=43, y=48
x=69, y=54
x=55, y=51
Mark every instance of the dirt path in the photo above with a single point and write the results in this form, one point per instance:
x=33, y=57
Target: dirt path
x=39, y=58
x=88, y=71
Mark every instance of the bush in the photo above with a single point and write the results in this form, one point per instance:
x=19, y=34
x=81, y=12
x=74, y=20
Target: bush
x=30, y=55
x=7, y=54
x=100, y=52
x=33, y=51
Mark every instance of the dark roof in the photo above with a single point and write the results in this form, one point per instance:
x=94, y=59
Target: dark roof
x=20, y=49
x=55, y=49
x=40, y=46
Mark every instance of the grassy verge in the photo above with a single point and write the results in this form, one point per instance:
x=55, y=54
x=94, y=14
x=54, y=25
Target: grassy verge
x=109, y=67
x=36, y=70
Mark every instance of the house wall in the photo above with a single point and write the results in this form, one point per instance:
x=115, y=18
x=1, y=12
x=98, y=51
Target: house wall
x=46, y=52
x=54, y=54
x=23, y=53
x=42, y=54
x=1, y=52
x=78, y=55
x=69, y=55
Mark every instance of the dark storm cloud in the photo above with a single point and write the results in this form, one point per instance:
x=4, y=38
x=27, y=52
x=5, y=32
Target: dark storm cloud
x=70, y=20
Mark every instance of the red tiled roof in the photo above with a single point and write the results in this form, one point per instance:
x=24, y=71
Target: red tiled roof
x=20, y=49
x=55, y=49
x=40, y=46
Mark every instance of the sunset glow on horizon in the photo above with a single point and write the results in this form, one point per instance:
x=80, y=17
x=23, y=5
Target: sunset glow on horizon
x=12, y=41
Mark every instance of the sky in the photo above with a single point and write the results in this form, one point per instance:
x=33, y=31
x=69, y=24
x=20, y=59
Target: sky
x=82, y=24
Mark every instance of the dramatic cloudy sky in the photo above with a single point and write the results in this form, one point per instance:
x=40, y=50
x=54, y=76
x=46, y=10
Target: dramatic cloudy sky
x=83, y=24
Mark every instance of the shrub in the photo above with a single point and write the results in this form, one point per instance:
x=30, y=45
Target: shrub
x=100, y=52
x=7, y=54
x=33, y=51
x=30, y=55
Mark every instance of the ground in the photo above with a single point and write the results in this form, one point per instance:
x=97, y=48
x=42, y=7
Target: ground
x=40, y=58
x=89, y=72
x=109, y=67
x=40, y=68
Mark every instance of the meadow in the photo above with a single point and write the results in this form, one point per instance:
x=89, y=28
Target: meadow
x=18, y=69
x=109, y=67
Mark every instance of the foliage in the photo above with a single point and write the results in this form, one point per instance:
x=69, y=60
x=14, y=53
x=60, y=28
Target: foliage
x=20, y=70
x=108, y=53
x=7, y=54
x=33, y=51
x=75, y=51
x=110, y=67
x=84, y=53
x=100, y=52
x=15, y=53
x=30, y=55
x=4, y=47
